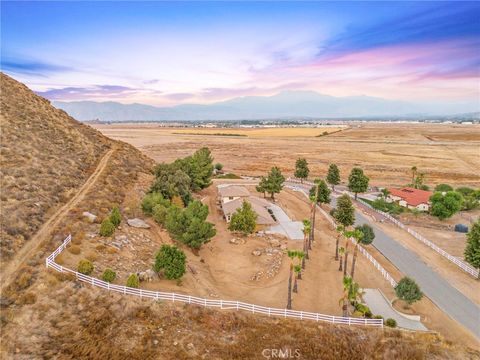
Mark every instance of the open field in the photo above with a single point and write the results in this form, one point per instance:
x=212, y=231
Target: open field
x=444, y=152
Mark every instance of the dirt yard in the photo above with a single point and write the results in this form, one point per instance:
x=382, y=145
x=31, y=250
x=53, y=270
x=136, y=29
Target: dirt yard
x=444, y=152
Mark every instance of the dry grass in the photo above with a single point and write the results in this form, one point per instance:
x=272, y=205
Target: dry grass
x=260, y=132
x=124, y=327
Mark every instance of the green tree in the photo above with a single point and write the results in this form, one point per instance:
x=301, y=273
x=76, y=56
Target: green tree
x=171, y=180
x=202, y=169
x=218, y=166
x=344, y=212
x=244, y=220
x=109, y=275
x=85, y=267
x=357, y=181
x=115, y=216
x=133, y=281
x=198, y=233
x=333, y=176
x=274, y=183
x=472, y=250
x=160, y=212
x=419, y=181
x=443, y=188
x=171, y=260
x=445, y=205
x=351, y=294
x=301, y=169
x=106, y=228
x=414, y=174
x=323, y=192
x=408, y=290
x=298, y=275
x=262, y=185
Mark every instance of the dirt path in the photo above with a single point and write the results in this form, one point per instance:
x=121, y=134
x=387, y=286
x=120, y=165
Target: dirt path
x=44, y=232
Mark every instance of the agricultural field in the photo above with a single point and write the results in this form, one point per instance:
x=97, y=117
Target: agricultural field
x=446, y=153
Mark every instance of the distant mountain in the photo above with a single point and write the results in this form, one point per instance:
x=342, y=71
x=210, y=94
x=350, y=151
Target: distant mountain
x=287, y=104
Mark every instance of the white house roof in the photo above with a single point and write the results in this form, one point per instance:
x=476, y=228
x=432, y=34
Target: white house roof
x=233, y=191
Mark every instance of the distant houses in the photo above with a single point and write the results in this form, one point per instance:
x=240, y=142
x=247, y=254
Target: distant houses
x=231, y=197
x=410, y=198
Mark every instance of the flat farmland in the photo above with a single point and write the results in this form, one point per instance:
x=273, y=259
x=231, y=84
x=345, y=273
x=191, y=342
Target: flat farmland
x=444, y=152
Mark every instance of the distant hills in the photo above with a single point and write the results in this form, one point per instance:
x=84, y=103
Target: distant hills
x=287, y=104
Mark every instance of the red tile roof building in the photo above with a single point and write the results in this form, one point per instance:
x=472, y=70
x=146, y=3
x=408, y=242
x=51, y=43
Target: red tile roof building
x=411, y=198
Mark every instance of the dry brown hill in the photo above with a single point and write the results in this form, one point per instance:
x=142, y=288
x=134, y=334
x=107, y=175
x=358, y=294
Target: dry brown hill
x=66, y=168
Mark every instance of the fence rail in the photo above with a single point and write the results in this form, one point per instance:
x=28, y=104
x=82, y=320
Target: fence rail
x=362, y=250
x=465, y=267
x=222, y=304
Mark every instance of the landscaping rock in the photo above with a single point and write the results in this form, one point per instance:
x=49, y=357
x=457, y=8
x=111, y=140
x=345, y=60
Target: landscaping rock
x=256, y=252
x=138, y=223
x=91, y=217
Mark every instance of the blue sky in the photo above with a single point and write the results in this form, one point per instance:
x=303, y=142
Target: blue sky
x=165, y=53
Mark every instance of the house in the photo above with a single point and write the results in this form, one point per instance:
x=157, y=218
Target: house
x=231, y=198
x=410, y=198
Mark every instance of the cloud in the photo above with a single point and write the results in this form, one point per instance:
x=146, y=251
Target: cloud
x=35, y=68
x=179, y=96
x=92, y=92
x=151, y=82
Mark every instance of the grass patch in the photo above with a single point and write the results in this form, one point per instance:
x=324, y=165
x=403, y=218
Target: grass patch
x=212, y=134
x=228, y=176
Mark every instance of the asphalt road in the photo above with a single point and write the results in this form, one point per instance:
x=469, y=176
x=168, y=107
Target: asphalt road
x=433, y=285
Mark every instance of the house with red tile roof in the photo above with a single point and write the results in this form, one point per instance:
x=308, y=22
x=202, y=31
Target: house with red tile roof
x=410, y=198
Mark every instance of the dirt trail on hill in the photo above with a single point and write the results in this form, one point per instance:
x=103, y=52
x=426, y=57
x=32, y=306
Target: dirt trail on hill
x=45, y=230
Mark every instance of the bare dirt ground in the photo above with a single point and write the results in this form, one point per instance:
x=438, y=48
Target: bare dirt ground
x=444, y=152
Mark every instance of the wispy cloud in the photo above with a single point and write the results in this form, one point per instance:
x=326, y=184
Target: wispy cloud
x=92, y=92
x=35, y=68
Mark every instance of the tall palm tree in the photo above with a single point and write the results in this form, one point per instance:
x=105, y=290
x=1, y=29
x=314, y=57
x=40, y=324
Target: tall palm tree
x=300, y=256
x=341, y=251
x=414, y=173
x=346, y=252
x=306, y=233
x=298, y=271
x=364, y=235
x=292, y=254
x=340, y=230
x=357, y=235
x=314, y=201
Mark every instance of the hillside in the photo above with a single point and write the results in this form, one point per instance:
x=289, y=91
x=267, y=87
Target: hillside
x=51, y=159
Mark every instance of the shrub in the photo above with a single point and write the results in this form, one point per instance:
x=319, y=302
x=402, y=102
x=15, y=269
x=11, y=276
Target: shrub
x=109, y=275
x=85, y=267
x=378, y=317
x=149, y=201
x=443, y=188
x=171, y=260
x=218, y=166
x=391, y=323
x=445, y=205
x=107, y=228
x=244, y=220
x=160, y=214
x=115, y=217
x=363, y=309
x=408, y=290
x=133, y=281
x=74, y=249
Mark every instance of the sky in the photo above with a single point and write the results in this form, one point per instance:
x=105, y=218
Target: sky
x=163, y=53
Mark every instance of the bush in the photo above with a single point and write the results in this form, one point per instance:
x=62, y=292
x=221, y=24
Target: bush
x=391, y=323
x=74, y=249
x=160, y=214
x=244, y=220
x=85, y=267
x=171, y=260
x=378, y=317
x=445, y=205
x=408, y=290
x=218, y=166
x=109, y=275
x=107, y=228
x=149, y=201
x=115, y=216
x=364, y=310
x=443, y=188
x=133, y=281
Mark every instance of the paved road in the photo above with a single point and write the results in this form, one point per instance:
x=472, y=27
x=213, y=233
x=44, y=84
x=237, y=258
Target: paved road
x=380, y=305
x=444, y=295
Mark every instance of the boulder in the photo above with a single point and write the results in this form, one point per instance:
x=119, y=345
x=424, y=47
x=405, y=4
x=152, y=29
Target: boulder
x=138, y=223
x=274, y=243
x=91, y=217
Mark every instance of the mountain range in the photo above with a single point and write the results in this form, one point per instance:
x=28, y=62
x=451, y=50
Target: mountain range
x=286, y=104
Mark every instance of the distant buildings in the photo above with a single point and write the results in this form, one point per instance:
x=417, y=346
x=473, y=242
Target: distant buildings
x=231, y=198
x=410, y=198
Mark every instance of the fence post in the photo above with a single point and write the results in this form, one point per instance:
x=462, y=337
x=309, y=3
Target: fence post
x=285, y=313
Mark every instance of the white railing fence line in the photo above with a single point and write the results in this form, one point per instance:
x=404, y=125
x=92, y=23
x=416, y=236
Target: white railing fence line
x=464, y=266
x=222, y=304
x=362, y=250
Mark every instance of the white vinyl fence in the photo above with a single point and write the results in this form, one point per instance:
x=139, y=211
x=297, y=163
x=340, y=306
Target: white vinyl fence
x=464, y=266
x=222, y=304
x=362, y=250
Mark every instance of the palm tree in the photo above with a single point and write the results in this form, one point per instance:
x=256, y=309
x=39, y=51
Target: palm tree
x=306, y=233
x=351, y=293
x=414, y=173
x=385, y=193
x=292, y=254
x=346, y=253
x=341, y=251
x=363, y=235
x=298, y=271
x=314, y=200
x=357, y=235
x=300, y=256
x=340, y=230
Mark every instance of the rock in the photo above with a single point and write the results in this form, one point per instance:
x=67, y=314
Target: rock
x=256, y=252
x=138, y=223
x=117, y=244
x=4, y=302
x=274, y=243
x=283, y=247
x=121, y=238
x=234, y=241
x=190, y=346
x=155, y=342
x=150, y=274
x=91, y=217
